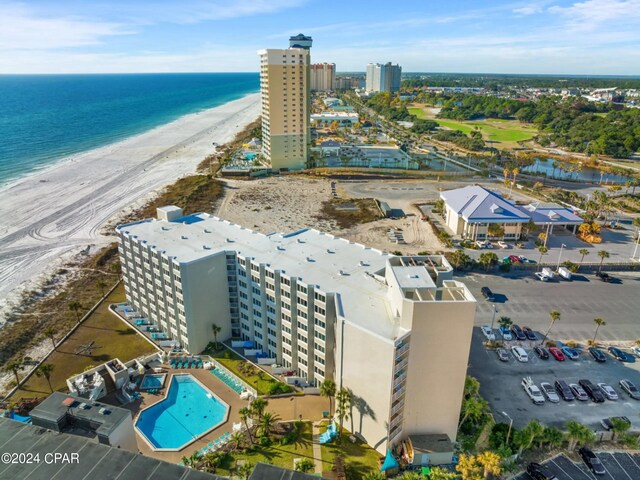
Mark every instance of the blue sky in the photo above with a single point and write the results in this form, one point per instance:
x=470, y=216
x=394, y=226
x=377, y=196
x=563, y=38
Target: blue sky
x=538, y=36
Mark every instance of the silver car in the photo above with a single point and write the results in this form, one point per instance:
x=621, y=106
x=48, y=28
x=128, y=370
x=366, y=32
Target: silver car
x=549, y=392
x=579, y=392
x=608, y=391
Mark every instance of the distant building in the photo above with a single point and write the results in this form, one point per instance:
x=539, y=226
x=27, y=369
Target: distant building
x=323, y=77
x=286, y=104
x=107, y=424
x=383, y=78
x=348, y=83
x=342, y=118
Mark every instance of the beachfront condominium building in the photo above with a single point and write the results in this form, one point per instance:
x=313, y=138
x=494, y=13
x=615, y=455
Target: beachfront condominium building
x=393, y=330
x=286, y=104
x=323, y=77
x=383, y=77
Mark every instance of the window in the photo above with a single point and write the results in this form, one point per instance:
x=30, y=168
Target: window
x=302, y=301
x=319, y=323
x=302, y=313
x=319, y=335
x=319, y=359
x=285, y=281
x=286, y=305
x=303, y=326
x=257, y=302
x=256, y=313
x=319, y=310
x=302, y=289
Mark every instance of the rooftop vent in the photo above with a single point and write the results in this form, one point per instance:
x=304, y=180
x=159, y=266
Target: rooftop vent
x=330, y=250
x=206, y=247
x=363, y=263
x=343, y=273
x=300, y=240
x=230, y=240
x=83, y=406
x=183, y=237
x=311, y=260
x=281, y=248
x=206, y=230
x=103, y=411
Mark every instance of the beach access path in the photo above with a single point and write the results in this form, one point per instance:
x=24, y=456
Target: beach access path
x=50, y=216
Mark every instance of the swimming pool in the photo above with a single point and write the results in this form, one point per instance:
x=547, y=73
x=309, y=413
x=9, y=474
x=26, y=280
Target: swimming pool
x=187, y=412
x=153, y=381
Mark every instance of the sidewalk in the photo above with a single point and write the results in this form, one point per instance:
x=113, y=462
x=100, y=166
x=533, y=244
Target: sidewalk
x=317, y=452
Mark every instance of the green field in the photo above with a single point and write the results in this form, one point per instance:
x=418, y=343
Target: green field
x=506, y=132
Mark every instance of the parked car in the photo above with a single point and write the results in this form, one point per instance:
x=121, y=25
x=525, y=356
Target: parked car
x=542, y=353
x=517, y=332
x=607, y=423
x=578, y=392
x=520, y=354
x=487, y=331
x=533, y=391
x=540, y=472
x=592, y=461
x=531, y=335
x=487, y=293
x=483, y=244
x=592, y=390
x=629, y=387
x=620, y=355
x=503, y=355
x=542, y=277
x=549, y=392
x=605, y=277
x=506, y=333
x=502, y=244
x=570, y=353
x=636, y=351
x=597, y=354
x=608, y=391
x=557, y=354
x=514, y=259
x=564, y=390
x=525, y=260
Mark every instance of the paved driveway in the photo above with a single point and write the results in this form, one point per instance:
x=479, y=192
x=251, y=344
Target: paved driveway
x=528, y=301
x=619, y=466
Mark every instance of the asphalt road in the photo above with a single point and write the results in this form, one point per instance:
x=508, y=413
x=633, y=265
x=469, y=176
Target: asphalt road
x=528, y=301
x=618, y=466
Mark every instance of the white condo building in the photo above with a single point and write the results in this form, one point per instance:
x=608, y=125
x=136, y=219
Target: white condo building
x=395, y=331
x=383, y=77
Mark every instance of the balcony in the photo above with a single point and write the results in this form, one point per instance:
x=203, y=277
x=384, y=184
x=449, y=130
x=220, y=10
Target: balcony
x=398, y=395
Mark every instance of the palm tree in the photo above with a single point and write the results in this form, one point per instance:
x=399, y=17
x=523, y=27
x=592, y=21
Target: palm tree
x=50, y=333
x=505, y=322
x=13, y=367
x=245, y=470
x=471, y=386
x=469, y=467
x=216, y=330
x=495, y=230
x=599, y=323
x=267, y=422
x=439, y=473
x=491, y=463
x=473, y=408
x=258, y=406
x=602, y=254
x=551, y=437
x=619, y=426
x=76, y=307
x=245, y=416
x=531, y=431
x=555, y=316
x=236, y=440
x=543, y=237
x=515, y=172
x=584, y=252
x=45, y=370
x=577, y=432
x=343, y=406
x=328, y=389
x=543, y=250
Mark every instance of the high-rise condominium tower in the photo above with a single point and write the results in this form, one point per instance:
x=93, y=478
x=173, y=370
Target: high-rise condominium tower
x=286, y=104
x=383, y=78
x=323, y=77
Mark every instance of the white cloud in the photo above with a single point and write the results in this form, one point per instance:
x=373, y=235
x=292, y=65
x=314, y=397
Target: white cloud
x=21, y=28
x=593, y=14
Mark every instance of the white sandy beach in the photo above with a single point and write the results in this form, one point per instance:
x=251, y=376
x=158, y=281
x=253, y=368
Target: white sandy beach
x=51, y=215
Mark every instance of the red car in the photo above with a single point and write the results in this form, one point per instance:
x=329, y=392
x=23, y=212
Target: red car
x=557, y=354
x=514, y=259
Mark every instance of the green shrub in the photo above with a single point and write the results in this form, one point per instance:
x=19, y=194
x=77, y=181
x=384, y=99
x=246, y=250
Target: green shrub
x=265, y=441
x=573, y=267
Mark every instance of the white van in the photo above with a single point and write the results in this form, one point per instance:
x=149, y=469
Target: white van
x=520, y=354
x=565, y=273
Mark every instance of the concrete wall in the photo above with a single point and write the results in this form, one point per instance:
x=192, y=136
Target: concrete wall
x=124, y=436
x=367, y=372
x=206, y=301
x=438, y=358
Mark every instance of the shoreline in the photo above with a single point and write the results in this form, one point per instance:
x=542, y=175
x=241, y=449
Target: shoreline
x=51, y=214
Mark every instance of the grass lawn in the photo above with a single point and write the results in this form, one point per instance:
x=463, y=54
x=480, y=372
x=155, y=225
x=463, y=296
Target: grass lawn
x=112, y=337
x=260, y=381
x=275, y=454
x=496, y=130
x=359, y=457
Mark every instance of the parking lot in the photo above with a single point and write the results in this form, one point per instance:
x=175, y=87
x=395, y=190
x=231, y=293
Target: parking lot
x=528, y=301
x=500, y=385
x=619, y=466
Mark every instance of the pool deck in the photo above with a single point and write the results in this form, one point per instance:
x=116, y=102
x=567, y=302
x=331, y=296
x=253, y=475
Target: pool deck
x=307, y=407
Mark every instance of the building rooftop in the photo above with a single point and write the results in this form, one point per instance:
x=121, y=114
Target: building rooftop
x=105, y=418
x=95, y=461
x=432, y=443
x=476, y=204
x=551, y=213
x=333, y=264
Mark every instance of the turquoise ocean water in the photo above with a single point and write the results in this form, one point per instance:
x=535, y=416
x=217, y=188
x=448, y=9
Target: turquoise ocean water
x=44, y=118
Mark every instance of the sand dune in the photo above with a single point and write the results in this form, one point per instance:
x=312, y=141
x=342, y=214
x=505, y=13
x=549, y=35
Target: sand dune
x=51, y=215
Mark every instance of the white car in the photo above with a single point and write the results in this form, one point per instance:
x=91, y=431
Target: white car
x=542, y=277
x=549, y=392
x=533, y=391
x=636, y=351
x=520, y=354
x=502, y=244
x=608, y=391
x=487, y=331
x=506, y=334
x=483, y=244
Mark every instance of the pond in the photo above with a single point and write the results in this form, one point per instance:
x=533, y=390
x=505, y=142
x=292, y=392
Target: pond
x=562, y=171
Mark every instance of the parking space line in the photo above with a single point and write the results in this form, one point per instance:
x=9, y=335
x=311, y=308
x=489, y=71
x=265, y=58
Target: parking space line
x=633, y=460
x=571, y=477
x=623, y=469
x=633, y=468
x=604, y=458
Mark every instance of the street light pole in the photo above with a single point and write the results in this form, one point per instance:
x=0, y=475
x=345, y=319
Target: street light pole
x=510, y=425
x=635, y=249
x=560, y=256
x=495, y=310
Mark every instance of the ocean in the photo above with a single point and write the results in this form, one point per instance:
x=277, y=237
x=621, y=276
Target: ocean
x=44, y=118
